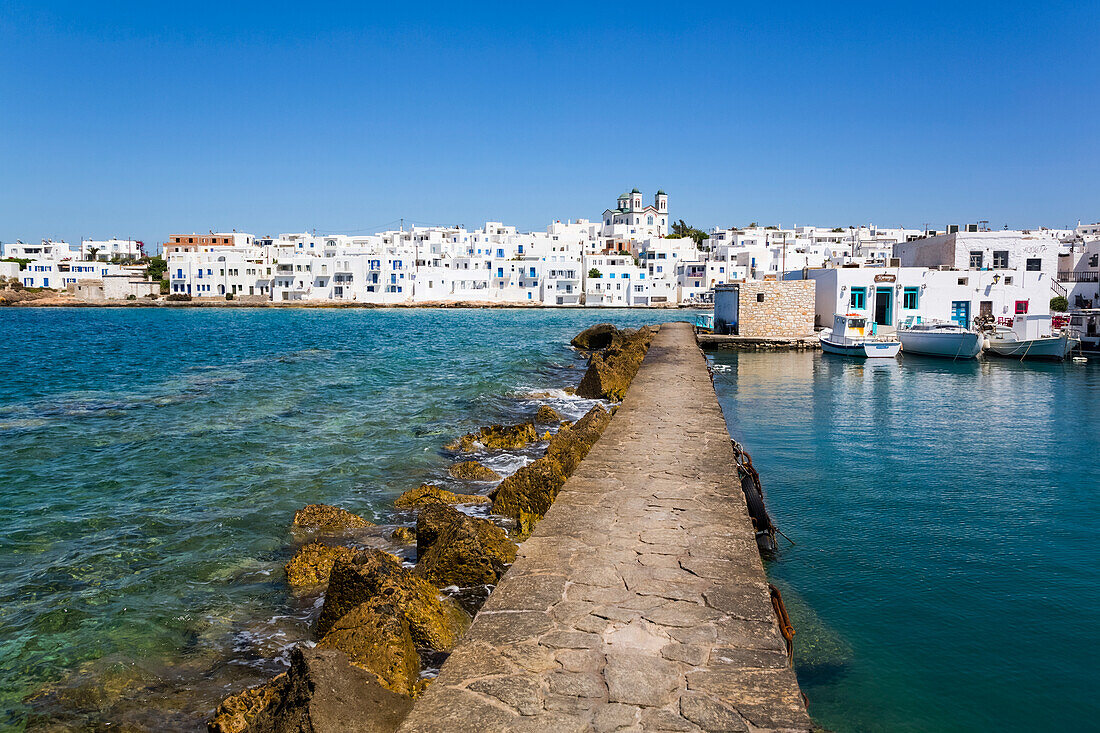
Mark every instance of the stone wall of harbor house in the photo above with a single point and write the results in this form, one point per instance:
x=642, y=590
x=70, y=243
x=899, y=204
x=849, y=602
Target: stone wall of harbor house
x=787, y=308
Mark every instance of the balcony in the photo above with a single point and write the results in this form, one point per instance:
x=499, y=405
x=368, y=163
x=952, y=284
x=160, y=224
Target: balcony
x=1079, y=277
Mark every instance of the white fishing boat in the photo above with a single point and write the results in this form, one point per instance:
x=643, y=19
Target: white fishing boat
x=848, y=337
x=949, y=340
x=1025, y=339
x=1084, y=325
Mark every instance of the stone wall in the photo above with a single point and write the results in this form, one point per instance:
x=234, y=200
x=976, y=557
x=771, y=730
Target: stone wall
x=770, y=309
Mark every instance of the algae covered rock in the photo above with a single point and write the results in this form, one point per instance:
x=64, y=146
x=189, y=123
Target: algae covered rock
x=426, y=494
x=473, y=471
x=328, y=518
x=403, y=535
x=322, y=692
x=611, y=371
x=571, y=444
x=496, y=437
x=547, y=415
x=376, y=638
x=434, y=622
x=527, y=494
x=312, y=564
x=431, y=521
x=454, y=549
x=250, y=711
x=597, y=337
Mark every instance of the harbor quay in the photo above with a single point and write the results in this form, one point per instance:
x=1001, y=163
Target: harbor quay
x=639, y=602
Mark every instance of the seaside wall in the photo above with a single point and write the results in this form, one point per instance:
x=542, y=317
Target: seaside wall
x=639, y=600
x=765, y=308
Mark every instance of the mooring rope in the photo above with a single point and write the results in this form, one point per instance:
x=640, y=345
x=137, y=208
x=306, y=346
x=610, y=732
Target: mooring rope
x=785, y=627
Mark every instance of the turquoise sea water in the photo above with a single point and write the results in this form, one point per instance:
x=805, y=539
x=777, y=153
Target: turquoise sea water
x=946, y=575
x=152, y=460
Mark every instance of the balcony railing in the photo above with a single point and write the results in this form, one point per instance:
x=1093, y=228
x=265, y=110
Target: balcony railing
x=1079, y=277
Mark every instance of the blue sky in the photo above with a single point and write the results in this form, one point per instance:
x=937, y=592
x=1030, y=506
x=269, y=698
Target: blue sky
x=144, y=119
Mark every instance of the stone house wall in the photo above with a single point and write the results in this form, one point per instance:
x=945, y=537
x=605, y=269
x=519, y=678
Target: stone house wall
x=785, y=309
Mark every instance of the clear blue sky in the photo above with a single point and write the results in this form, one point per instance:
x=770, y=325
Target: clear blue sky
x=143, y=119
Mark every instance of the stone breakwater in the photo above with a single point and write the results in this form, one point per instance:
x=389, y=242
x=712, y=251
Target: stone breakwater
x=381, y=618
x=639, y=601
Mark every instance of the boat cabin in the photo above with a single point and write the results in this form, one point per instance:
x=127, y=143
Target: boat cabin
x=1084, y=324
x=850, y=326
x=1031, y=326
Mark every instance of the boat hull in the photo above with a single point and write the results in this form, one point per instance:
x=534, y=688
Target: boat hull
x=865, y=350
x=1057, y=348
x=961, y=345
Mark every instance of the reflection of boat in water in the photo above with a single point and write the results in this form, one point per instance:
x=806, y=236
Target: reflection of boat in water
x=1029, y=337
x=848, y=337
x=940, y=339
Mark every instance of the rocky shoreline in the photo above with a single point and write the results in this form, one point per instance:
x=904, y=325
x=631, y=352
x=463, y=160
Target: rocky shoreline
x=385, y=625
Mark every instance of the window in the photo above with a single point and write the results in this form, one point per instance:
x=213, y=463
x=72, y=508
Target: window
x=858, y=299
x=910, y=298
x=975, y=260
x=1000, y=259
x=759, y=297
x=1094, y=260
x=1021, y=307
x=964, y=280
x=1034, y=264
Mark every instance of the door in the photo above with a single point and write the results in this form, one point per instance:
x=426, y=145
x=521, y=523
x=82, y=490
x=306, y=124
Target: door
x=985, y=309
x=960, y=312
x=884, y=306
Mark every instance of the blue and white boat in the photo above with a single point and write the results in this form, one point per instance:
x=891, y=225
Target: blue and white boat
x=948, y=340
x=849, y=338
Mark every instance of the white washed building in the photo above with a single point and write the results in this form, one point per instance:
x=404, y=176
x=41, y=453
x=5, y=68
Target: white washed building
x=106, y=250
x=893, y=296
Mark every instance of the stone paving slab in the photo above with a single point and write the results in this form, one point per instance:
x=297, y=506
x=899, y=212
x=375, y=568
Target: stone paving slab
x=639, y=603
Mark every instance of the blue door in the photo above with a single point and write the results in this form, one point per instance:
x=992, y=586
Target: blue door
x=960, y=312
x=884, y=306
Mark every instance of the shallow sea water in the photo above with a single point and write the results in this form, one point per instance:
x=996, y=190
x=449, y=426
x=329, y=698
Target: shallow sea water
x=151, y=462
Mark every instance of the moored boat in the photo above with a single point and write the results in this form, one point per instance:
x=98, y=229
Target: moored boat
x=1025, y=340
x=1084, y=325
x=848, y=337
x=948, y=340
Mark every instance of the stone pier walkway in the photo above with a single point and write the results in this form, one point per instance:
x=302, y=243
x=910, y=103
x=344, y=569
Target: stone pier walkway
x=639, y=603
